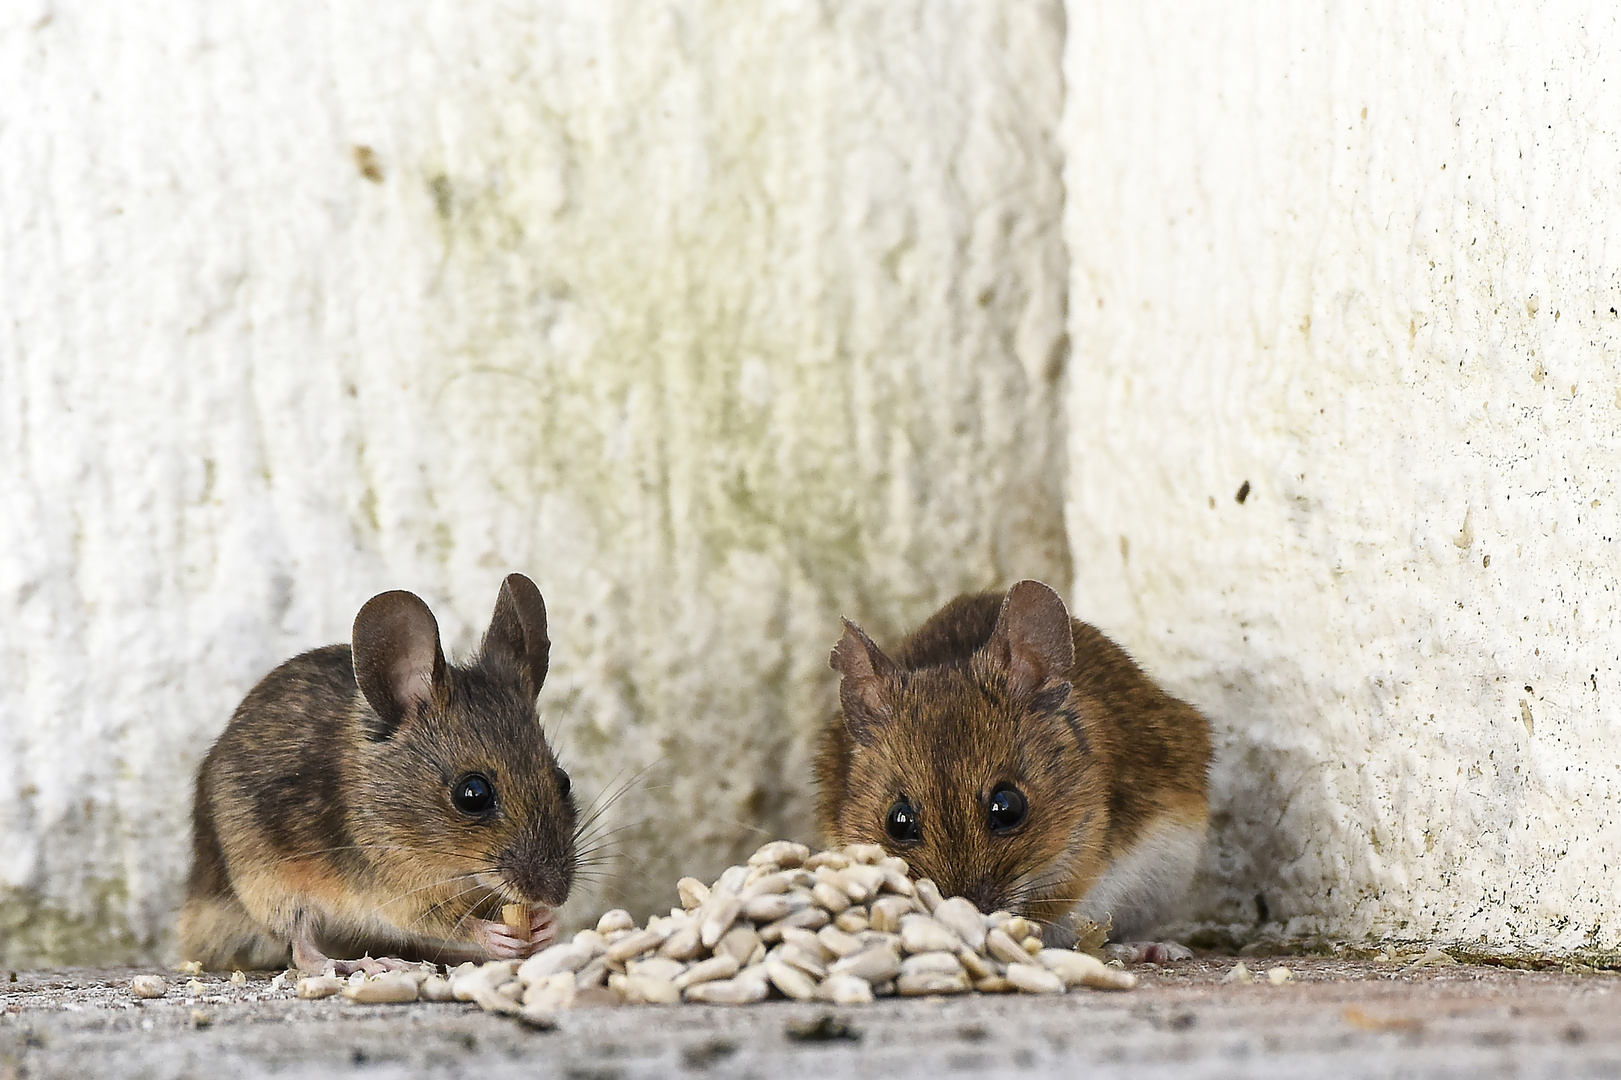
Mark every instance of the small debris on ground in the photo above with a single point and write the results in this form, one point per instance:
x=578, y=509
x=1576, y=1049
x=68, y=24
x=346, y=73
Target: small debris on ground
x=149, y=986
x=1369, y=1022
x=825, y=1027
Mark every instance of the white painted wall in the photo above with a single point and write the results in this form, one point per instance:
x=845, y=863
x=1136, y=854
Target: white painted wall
x=1367, y=259
x=724, y=320
x=719, y=320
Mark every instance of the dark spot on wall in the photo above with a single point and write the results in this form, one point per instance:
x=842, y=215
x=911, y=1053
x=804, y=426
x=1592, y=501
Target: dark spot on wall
x=1243, y=492
x=439, y=188
x=366, y=161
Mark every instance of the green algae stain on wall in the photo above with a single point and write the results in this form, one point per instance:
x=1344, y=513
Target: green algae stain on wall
x=727, y=360
x=36, y=932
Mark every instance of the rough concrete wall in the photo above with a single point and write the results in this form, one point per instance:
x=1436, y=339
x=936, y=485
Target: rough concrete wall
x=719, y=320
x=1361, y=262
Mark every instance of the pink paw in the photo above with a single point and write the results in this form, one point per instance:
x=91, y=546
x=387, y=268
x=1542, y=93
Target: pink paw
x=500, y=943
x=1147, y=952
x=542, y=928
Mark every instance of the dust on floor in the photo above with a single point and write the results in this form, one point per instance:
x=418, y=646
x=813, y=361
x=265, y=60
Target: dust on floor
x=1329, y=1017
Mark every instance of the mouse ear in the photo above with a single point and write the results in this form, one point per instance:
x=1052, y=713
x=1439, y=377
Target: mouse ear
x=868, y=674
x=1032, y=641
x=399, y=666
x=518, y=631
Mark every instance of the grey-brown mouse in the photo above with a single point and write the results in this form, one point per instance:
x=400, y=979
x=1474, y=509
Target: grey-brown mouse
x=1021, y=759
x=373, y=800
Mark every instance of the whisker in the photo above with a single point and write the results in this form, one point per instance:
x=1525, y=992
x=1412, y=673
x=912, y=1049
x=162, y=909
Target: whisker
x=432, y=885
x=369, y=847
x=456, y=927
x=441, y=905
x=604, y=800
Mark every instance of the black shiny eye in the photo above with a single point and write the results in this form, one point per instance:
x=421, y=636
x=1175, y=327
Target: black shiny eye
x=1007, y=809
x=564, y=784
x=902, y=824
x=473, y=795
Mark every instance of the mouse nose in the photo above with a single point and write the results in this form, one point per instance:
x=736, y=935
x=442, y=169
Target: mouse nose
x=985, y=896
x=540, y=873
x=541, y=882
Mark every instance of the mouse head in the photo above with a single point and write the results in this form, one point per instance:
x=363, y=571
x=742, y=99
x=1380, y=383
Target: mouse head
x=456, y=772
x=978, y=774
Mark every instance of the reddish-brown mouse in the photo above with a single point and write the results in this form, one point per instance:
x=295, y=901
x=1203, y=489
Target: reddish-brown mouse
x=1020, y=759
x=374, y=801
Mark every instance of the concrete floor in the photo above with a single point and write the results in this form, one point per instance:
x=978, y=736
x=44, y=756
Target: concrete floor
x=1338, y=1018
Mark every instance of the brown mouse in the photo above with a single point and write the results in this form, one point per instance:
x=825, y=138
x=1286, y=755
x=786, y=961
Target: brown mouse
x=376, y=801
x=1020, y=759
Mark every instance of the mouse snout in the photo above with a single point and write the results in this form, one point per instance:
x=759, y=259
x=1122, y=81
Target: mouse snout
x=542, y=872
x=987, y=896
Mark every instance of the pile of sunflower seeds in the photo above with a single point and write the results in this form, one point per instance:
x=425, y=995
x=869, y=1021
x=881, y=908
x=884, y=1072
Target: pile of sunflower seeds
x=842, y=926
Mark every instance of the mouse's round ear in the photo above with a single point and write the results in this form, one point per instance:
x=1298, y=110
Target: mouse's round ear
x=1032, y=642
x=517, y=633
x=399, y=665
x=868, y=676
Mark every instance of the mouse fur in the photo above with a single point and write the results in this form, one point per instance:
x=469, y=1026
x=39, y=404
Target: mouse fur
x=1007, y=689
x=325, y=820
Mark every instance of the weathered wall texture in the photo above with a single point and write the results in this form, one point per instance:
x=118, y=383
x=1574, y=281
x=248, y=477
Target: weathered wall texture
x=724, y=320
x=719, y=320
x=1362, y=261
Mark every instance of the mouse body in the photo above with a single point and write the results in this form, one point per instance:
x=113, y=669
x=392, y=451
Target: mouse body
x=372, y=800
x=1021, y=759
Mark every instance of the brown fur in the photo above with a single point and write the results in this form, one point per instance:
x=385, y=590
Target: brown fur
x=325, y=805
x=987, y=692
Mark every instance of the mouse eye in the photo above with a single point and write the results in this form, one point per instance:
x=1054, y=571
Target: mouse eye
x=564, y=784
x=473, y=795
x=1007, y=809
x=901, y=824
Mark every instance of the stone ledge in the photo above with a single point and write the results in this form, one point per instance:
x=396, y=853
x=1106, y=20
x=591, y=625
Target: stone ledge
x=1335, y=1017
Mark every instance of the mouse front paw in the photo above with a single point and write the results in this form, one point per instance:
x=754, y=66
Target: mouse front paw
x=498, y=941
x=542, y=928
x=501, y=942
x=1147, y=952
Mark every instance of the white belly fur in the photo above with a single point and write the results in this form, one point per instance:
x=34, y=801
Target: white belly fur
x=1142, y=887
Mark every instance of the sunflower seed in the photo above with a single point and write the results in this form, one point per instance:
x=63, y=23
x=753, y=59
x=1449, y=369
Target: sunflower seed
x=719, y=966
x=692, y=892
x=964, y=919
x=939, y=963
x=931, y=982
x=718, y=916
x=1034, y=980
x=876, y=964
x=920, y=933
x=845, y=990
x=784, y=853
x=617, y=919
x=149, y=986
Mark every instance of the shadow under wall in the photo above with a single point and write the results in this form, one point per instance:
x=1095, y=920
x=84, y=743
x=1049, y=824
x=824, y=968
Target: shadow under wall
x=1276, y=833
